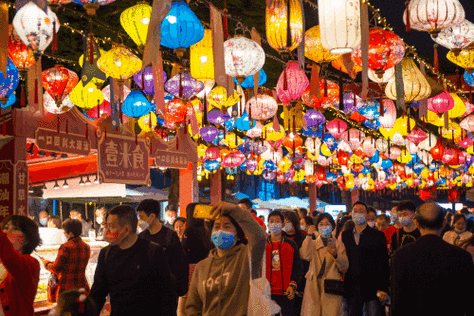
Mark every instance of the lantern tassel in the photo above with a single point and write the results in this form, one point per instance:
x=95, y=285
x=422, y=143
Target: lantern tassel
x=22, y=98
x=54, y=43
x=325, y=88
x=36, y=90
x=382, y=110
x=204, y=116
x=91, y=49
x=408, y=24
x=436, y=62
x=180, y=86
x=285, y=83
x=470, y=94
x=288, y=24
x=225, y=23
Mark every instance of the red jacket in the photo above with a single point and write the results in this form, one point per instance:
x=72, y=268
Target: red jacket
x=18, y=291
x=290, y=262
x=70, y=265
x=260, y=222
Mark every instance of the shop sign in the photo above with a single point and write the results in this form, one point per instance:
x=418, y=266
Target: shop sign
x=123, y=159
x=6, y=189
x=177, y=153
x=171, y=159
x=20, y=205
x=50, y=140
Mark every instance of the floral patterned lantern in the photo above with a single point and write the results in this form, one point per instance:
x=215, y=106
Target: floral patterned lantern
x=339, y=65
x=314, y=118
x=456, y=37
x=20, y=54
x=243, y=57
x=146, y=82
x=261, y=107
x=176, y=110
x=314, y=50
x=336, y=128
x=119, y=63
x=330, y=99
x=51, y=106
x=59, y=82
x=135, y=22
x=233, y=159
x=386, y=49
x=441, y=103
x=468, y=123
x=202, y=58
x=463, y=58
x=8, y=83
x=352, y=102
x=292, y=83
x=184, y=86
x=387, y=120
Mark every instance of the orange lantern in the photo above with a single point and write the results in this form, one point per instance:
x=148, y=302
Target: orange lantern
x=437, y=151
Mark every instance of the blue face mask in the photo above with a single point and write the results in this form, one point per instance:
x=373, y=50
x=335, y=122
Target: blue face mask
x=405, y=221
x=275, y=228
x=358, y=219
x=223, y=240
x=43, y=221
x=325, y=231
x=393, y=218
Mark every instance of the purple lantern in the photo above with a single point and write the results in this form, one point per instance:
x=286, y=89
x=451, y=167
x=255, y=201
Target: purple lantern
x=314, y=118
x=349, y=105
x=147, y=80
x=215, y=116
x=251, y=164
x=209, y=133
x=269, y=175
x=189, y=86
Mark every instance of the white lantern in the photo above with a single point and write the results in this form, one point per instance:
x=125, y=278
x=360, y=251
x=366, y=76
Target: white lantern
x=243, y=57
x=35, y=27
x=387, y=75
x=339, y=22
x=52, y=107
x=456, y=37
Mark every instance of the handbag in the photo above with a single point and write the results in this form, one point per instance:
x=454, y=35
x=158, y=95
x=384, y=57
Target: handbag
x=52, y=288
x=332, y=286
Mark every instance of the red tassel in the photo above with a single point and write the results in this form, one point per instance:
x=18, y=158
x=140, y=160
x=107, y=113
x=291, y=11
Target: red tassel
x=355, y=98
x=326, y=89
x=285, y=83
x=408, y=24
x=225, y=23
x=36, y=90
x=91, y=49
x=436, y=63
x=22, y=98
x=408, y=124
x=54, y=44
x=180, y=86
x=382, y=110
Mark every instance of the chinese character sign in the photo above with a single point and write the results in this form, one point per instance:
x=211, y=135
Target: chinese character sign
x=50, y=140
x=6, y=189
x=123, y=159
x=21, y=188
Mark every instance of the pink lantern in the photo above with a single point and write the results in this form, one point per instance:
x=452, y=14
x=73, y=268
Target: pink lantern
x=395, y=152
x=354, y=138
x=323, y=161
x=388, y=119
x=212, y=153
x=449, y=154
x=255, y=131
x=336, y=128
x=468, y=123
x=466, y=143
x=412, y=148
x=261, y=107
x=469, y=107
x=233, y=159
x=106, y=92
x=292, y=83
x=417, y=136
x=441, y=103
x=368, y=146
x=100, y=112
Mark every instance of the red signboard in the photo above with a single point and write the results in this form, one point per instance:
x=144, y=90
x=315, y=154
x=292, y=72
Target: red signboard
x=123, y=159
x=6, y=189
x=171, y=159
x=51, y=140
x=177, y=153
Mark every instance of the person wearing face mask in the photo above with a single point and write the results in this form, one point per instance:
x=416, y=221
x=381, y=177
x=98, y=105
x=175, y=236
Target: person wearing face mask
x=367, y=279
x=328, y=261
x=43, y=217
x=19, y=271
x=459, y=234
x=406, y=211
x=305, y=222
x=390, y=230
x=284, y=267
x=100, y=215
x=71, y=261
x=291, y=227
x=133, y=271
x=170, y=216
x=371, y=216
x=221, y=282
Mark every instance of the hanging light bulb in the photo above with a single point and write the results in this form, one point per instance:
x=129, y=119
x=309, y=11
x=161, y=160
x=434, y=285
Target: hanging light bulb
x=135, y=22
x=243, y=57
x=65, y=184
x=56, y=185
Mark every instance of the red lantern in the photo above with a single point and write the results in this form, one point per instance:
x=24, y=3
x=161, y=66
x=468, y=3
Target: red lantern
x=176, y=110
x=441, y=103
x=424, y=194
x=212, y=153
x=20, y=54
x=59, y=82
x=292, y=142
x=453, y=195
x=321, y=173
x=102, y=111
x=357, y=117
x=437, y=151
x=292, y=83
x=342, y=157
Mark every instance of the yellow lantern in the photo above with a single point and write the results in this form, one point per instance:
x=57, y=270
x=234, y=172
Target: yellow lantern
x=314, y=50
x=284, y=164
x=218, y=98
x=276, y=23
x=144, y=122
x=459, y=107
x=299, y=175
x=405, y=157
x=135, y=22
x=356, y=159
x=202, y=58
x=232, y=140
x=339, y=65
x=434, y=119
x=86, y=97
x=271, y=134
x=470, y=150
x=119, y=63
x=453, y=130
x=311, y=156
x=201, y=150
x=349, y=182
x=326, y=151
x=464, y=58
x=81, y=58
x=415, y=84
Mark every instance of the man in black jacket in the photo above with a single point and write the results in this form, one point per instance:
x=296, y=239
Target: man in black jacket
x=133, y=271
x=430, y=276
x=367, y=280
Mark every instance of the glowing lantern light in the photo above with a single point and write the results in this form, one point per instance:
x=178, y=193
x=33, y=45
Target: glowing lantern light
x=243, y=57
x=51, y=106
x=181, y=28
x=468, y=123
x=340, y=25
x=218, y=98
x=119, y=63
x=441, y=103
x=314, y=118
x=106, y=92
x=386, y=76
x=8, y=83
x=434, y=15
x=325, y=102
x=183, y=85
x=354, y=138
x=35, y=27
x=417, y=136
x=339, y=65
x=276, y=25
x=20, y=54
x=456, y=37
x=59, y=82
x=453, y=131
x=463, y=58
x=386, y=50
x=261, y=107
x=136, y=105
x=459, y=107
x=437, y=151
x=176, y=110
x=468, y=78
x=202, y=58
x=86, y=97
x=102, y=111
x=146, y=82
x=135, y=22
x=148, y=122
x=292, y=83
x=387, y=120
x=415, y=84
x=314, y=50
x=336, y=128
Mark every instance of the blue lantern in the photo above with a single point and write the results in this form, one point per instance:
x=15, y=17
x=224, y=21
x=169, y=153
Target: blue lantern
x=248, y=81
x=371, y=110
x=11, y=100
x=181, y=28
x=375, y=158
x=9, y=83
x=243, y=122
x=469, y=78
x=136, y=104
x=211, y=165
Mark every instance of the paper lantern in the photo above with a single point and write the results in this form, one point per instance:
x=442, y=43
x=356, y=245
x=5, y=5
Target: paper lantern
x=8, y=83
x=387, y=120
x=59, y=82
x=136, y=105
x=243, y=57
x=441, y=103
x=106, y=92
x=202, y=58
x=339, y=21
x=248, y=81
x=453, y=131
x=181, y=28
x=20, y=54
x=276, y=25
x=35, y=27
x=415, y=84
x=314, y=50
x=261, y=107
x=386, y=49
x=92, y=5
x=102, y=111
x=325, y=101
x=339, y=65
x=463, y=58
x=86, y=97
x=417, y=136
x=218, y=98
x=459, y=107
x=208, y=85
x=292, y=83
x=119, y=63
x=146, y=82
x=456, y=37
x=183, y=85
x=314, y=118
x=386, y=76
x=135, y=22
x=453, y=195
x=437, y=151
x=52, y=107
x=233, y=159
x=468, y=123
x=147, y=123
x=176, y=110
x=434, y=15
x=354, y=138
x=336, y=128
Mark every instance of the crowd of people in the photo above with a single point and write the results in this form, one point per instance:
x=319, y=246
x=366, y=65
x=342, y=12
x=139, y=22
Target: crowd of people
x=415, y=262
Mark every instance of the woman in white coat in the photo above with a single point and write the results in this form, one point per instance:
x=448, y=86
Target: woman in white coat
x=319, y=247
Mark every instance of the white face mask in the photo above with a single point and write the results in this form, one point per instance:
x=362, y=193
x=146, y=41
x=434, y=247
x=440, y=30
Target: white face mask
x=144, y=225
x=288, y=227
x=303, y=228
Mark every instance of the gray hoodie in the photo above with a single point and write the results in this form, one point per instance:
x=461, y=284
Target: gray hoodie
x=220, y=285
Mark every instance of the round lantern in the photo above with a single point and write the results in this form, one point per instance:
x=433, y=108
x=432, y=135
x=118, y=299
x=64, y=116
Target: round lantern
x=51, y=106
x=176, y=110
x=386, y=49
x=135, y=22
x=183, y=85
x=456, y=37
x=35, y=27
x=59, y=82
x=20, y=54
x=325, y=101
x=336, y=127
x=386, y=76
x=468, y=123
x=434, y=15
x=243, y=57
x=8, y=83
x=202, y=58
x=463, y=58
x=146, y=82
x=119, y=63
x=248, y=81
x=292, y=83
x=415, y=84
x=437, y=151
x=102, y=111
x=441, y=103
x=136, y=105
x=86, y=97
x=218, y=98
x=261, y=107
x=181, y=28
x=339, y=65
x=416, y=136
x=276, y=25
x=387, y=120
x=314, y=50
x=339, y=21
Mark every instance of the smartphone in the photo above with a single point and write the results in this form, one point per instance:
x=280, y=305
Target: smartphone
x=203, y=211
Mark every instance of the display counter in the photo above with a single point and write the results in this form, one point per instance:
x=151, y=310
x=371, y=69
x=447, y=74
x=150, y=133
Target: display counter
x=49, y=252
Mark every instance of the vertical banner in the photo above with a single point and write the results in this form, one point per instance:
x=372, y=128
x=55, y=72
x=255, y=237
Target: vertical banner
x=114, y=103
x=20, y=203
x=315, y=87
x=220, y=76
x=256, y=38
x=34, y=88
x=159, y=11
x=6, y=189
x=301, y=59
x=159, y=84
x=3, y=38
x=364, y=28
x=400, y=86
x=423, y=108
